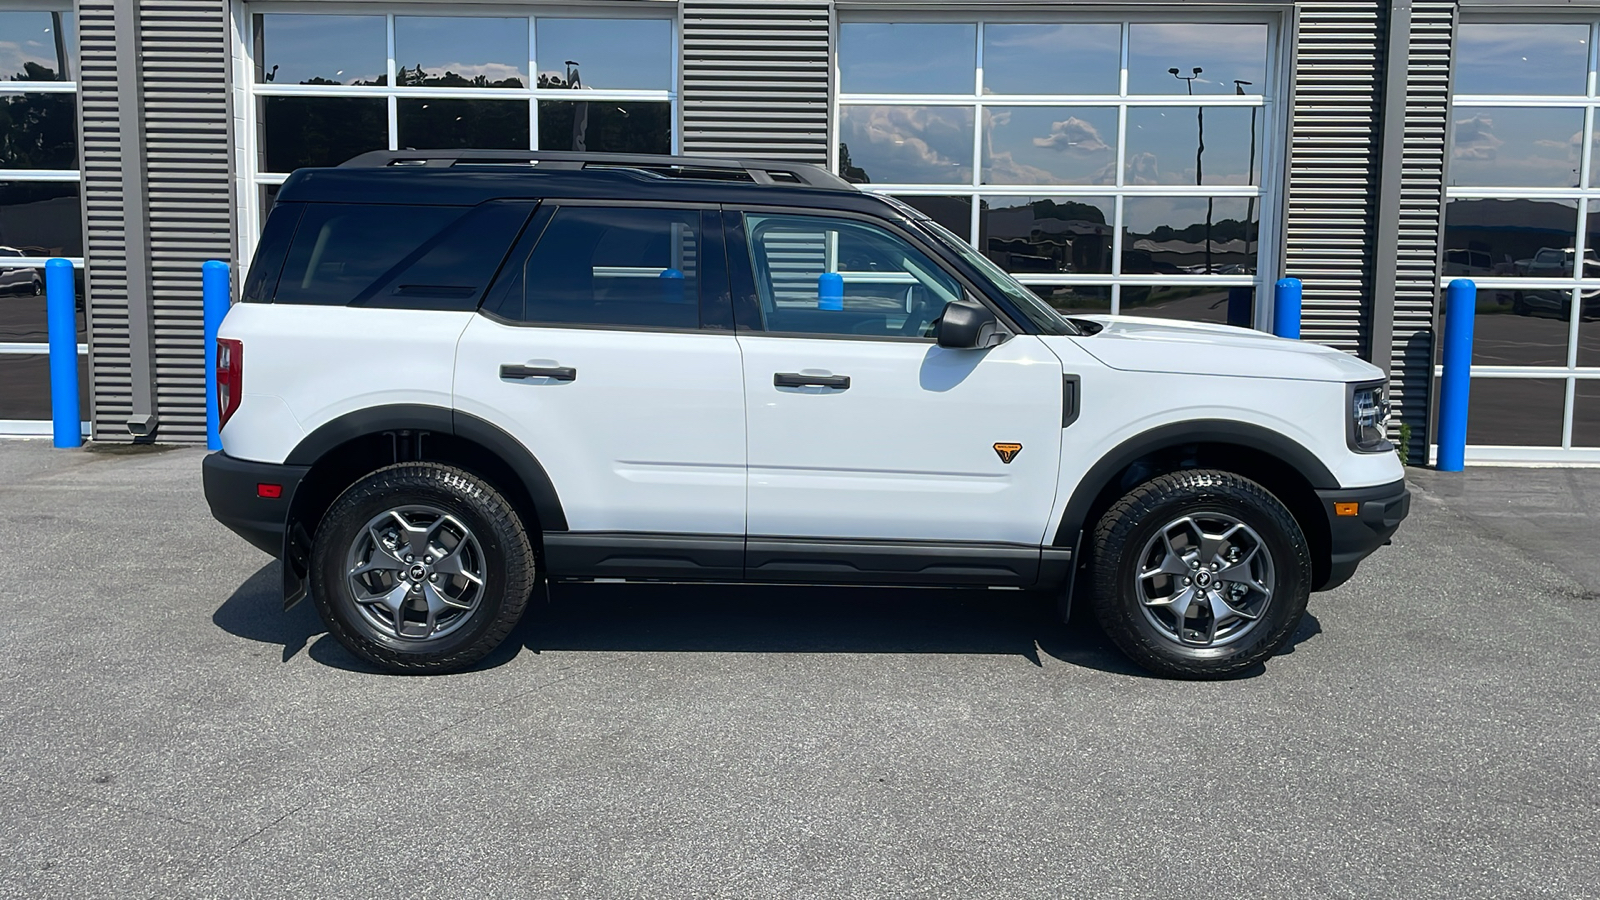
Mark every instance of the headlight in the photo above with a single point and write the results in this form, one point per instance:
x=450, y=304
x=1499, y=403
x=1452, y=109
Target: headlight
x=1369, y=418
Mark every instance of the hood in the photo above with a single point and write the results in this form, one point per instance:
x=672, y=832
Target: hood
x=1138, y=344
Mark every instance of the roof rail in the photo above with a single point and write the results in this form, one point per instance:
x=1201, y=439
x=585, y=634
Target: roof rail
x=759, y=171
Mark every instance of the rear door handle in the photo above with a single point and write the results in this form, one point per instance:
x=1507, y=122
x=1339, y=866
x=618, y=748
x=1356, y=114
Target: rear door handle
x=556, y=373
x=795, y=379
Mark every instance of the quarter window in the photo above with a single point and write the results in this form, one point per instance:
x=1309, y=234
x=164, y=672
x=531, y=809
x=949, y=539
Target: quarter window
x=397, y=257
x=608, y=267
x=817, y=275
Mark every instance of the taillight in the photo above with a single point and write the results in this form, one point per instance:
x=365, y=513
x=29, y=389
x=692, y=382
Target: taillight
x=230, y=378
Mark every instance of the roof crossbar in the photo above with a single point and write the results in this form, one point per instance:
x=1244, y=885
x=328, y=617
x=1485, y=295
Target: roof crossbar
x=696, y=167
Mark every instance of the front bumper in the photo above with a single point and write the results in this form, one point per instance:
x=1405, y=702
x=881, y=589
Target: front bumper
x=1380, y=510
x=233, y=490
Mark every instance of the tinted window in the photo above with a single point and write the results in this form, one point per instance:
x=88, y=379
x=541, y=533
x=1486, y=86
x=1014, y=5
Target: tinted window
x=36, y=46
x=1506, y=58
x=270, y=251
x=832, y=276
x=39, y=131
x=320, y=131
x=41, y=218
x=317, y=49
x=1051, y=59
x=1220, y=59
x=609, y=266
x=478, y=124
x=605, y=127
x=609, y=54
x=1048, y=234
x=466, y=51
x=341, y=251
x=905, y=144
x=913, y=58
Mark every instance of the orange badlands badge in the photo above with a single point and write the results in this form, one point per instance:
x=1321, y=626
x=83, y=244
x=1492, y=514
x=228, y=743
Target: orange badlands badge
x=1007, y=452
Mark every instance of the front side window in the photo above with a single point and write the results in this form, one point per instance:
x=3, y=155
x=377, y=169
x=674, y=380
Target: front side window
x=608, y=267
x=818, y=275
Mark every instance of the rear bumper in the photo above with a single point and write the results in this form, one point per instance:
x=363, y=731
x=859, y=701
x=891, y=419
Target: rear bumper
x=1380, y=511
x=233, y=492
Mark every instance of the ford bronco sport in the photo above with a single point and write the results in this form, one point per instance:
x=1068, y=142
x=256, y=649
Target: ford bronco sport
x=452, y=374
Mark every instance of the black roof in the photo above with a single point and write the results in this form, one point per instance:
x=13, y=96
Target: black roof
x=470, y=177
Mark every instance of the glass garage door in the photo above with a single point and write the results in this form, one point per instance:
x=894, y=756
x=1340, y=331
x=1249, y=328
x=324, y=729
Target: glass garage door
x=41, y=210
x=1113, y=166
x=324, y=88
x=1522, y=220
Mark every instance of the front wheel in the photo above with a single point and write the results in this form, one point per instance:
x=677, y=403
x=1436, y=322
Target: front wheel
x=421, y=567
x=1200, y=574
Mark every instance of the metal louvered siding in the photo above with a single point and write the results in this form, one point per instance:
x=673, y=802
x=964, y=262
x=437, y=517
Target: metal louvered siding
x=1333, y=167
x=1421, y=192
x=106, y=271
x=185, y=44
x=756, y=79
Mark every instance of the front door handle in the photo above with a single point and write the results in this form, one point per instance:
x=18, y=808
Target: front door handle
x=556, y=373
x=795, y=379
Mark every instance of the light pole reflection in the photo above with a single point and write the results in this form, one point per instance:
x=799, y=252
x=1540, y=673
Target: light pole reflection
x=1250, y=204
x=1199, y=152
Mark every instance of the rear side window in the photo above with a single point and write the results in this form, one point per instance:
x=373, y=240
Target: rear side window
x=398, y=257
x=608, y=266
x=270, y=251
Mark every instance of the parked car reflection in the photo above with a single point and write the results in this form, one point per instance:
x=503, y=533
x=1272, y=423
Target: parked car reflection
x=19, y=279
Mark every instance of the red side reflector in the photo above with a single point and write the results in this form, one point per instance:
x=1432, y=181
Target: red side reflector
x=1347, y=509
x=269, y=491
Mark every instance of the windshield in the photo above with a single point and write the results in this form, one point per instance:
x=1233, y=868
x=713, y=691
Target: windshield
x=1038, y=312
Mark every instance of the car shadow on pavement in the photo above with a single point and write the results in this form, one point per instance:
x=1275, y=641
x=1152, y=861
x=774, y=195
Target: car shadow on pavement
x=691, y=618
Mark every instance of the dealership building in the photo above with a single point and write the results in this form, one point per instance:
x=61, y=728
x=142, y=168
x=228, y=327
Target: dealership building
x=1168, y=159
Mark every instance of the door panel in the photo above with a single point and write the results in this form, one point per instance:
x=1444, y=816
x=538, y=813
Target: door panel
x=601, y=348
x=907, y=450
x=647, y=436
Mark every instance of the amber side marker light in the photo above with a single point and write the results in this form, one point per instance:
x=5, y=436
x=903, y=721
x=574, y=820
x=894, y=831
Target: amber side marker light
x=274, y=491
x=1347, y=509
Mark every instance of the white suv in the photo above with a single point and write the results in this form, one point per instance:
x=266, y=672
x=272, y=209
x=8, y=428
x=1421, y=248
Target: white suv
x=453, y=375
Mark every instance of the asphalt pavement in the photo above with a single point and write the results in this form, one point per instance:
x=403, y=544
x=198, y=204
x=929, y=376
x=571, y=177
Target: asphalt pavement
x=167, y=731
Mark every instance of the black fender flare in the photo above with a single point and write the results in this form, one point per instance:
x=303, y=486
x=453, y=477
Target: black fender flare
x=421, y=417
x=1198, y=431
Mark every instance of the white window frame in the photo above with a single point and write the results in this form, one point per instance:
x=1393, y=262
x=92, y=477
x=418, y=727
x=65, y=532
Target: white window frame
x=42, y=427
x=1268, y=193
x=1587, y=199
x=250, y=181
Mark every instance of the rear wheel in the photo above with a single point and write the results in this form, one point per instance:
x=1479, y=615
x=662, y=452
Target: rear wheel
x=421, y=567
x=1200, y=574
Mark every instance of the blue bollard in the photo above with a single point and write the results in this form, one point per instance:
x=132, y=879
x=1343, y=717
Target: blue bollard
x=216, y=297
x=1460, y=307
x=830, y=291
x=1286, y=295
x=672, y=286
x=61, y=315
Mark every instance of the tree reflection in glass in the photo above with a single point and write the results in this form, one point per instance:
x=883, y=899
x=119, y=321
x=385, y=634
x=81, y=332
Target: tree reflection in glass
x=1167, y=235
x=461, y=52
x=1029, y=235
x=36, y=45
x=605, y=126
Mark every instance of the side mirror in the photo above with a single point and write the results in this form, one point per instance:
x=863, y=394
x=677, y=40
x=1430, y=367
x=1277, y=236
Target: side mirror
x=966, y=325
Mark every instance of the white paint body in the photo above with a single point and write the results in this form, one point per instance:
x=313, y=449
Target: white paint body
x=685, y=432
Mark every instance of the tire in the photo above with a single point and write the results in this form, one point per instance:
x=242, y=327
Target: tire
x=1247, y=593
x=436, y=614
